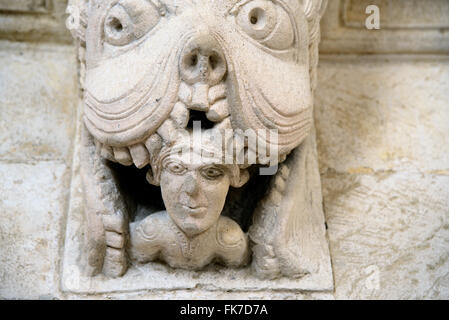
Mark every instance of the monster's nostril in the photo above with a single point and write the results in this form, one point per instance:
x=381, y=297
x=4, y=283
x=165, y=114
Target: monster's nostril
x=254, y=19
x=202, y=60
x=193, y=60
x=213, y=61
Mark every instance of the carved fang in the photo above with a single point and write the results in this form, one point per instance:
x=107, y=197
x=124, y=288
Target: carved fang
x=218, y=111
x=140, y=155
x=122, y=156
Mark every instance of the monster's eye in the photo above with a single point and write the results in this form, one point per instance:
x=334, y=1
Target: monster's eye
x=212, y=172
x=129, y=20
x=175, y=167
x=267, y=22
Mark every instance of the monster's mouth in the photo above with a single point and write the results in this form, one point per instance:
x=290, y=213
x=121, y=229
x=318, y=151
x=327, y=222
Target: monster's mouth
x=143, y=199
x=207, y=105
x=198, y=102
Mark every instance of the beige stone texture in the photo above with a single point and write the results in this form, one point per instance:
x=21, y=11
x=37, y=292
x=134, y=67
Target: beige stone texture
x=38, y=95
x=36, y=21
x=389, y=235
x=383, y=113
x=382, y=141
x=406, y=26
x=32, y=209
x=382, y=127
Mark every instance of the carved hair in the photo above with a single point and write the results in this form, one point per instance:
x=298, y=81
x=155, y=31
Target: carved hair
x=238, y=176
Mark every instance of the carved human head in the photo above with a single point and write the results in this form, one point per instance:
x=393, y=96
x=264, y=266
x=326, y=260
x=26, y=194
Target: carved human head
x=194, y=182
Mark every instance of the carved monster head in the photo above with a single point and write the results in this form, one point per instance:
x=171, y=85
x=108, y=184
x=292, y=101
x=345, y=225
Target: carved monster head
x=150, y=67
x=152, y=61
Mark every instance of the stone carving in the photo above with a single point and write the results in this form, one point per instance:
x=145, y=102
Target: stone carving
x=191, y=233
x=149, y=70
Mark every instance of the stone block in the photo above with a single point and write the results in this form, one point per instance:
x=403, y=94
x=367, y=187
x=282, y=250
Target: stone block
x=399, y=14
x=34, y=20
x=406, y=26
x=389, y=235
x=38, y=99
x=32, y=208
x=383, y=114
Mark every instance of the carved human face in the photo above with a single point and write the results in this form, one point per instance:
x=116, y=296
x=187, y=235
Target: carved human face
x=194, y=194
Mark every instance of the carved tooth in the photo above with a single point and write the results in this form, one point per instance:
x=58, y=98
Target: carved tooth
x=282, y=158
x=280, y=183
x=167, y=130
x=122, y=156
x=114, y=223
x=275, y=197
x=140, y=155
x=218, y=111
x=216, y=93
x=98, y=146
x=115, y=255
x=115, y=240
x=263, y=160
x=244, y=166
x=224, y=125
x=107, y=153
x=154, y=144
x=185, y=93
x=284, y=171
x=115, y=264
x=200, y=99
x=180, y=115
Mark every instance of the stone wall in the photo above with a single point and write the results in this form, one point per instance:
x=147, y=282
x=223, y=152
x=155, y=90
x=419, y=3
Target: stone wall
x=382, y=115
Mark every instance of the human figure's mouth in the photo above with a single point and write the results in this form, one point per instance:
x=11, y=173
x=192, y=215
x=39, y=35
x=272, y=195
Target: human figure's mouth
x=194, y=210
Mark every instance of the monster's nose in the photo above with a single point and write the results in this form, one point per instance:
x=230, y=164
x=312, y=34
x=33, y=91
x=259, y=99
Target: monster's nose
x=202, y=60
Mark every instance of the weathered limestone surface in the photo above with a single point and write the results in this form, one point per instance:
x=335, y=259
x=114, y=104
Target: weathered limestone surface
x=32, y=20
x=382, y=128
x=38, y=93
x=382, y=136
x=406, y=26
x=32, y=208
x=387, y=113
x=389, y=235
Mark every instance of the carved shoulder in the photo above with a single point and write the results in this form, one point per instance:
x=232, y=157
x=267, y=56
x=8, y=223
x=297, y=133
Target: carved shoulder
x=147, y=236
x=232, y=242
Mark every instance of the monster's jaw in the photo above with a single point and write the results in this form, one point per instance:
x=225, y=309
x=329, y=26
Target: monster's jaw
x=197, y=102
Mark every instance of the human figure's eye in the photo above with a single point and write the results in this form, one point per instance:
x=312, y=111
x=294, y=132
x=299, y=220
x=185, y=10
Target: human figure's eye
x=175, y=168
x=212, y=173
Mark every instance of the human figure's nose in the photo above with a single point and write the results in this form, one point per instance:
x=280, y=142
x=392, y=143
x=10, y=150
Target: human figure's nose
x=190, y=185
